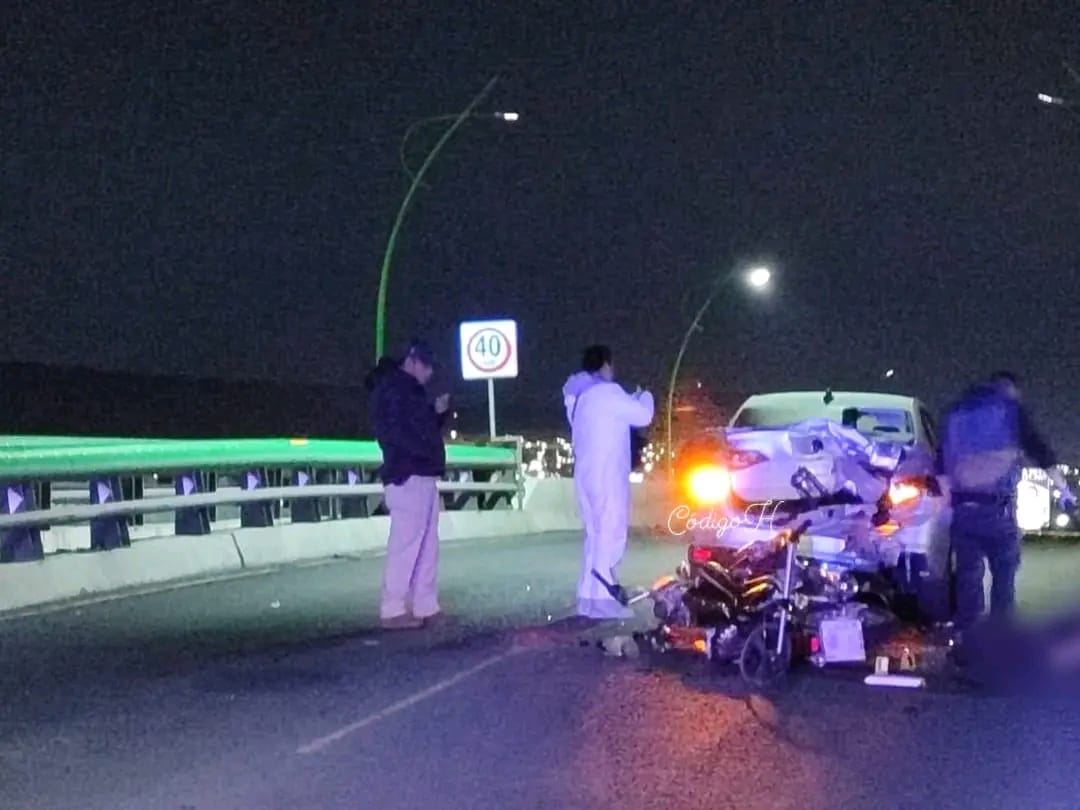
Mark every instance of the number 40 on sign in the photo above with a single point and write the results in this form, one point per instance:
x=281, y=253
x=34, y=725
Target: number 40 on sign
x=489, y=351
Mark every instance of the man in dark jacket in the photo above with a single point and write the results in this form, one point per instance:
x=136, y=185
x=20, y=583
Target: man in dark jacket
x=986, y=437
x=408, y=429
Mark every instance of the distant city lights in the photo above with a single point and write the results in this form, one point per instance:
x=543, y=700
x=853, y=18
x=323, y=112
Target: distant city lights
x=554, y=458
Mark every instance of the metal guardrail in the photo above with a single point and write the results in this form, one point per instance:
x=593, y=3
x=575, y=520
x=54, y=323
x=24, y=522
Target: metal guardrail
x=329, y=479
x=101, y=457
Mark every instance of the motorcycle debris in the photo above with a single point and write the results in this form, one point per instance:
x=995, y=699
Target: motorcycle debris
x=902, y=681
x=619, y=646
x=907, y=661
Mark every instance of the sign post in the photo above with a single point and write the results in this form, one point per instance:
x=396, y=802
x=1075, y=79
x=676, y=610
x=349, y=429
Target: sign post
x=489, y=352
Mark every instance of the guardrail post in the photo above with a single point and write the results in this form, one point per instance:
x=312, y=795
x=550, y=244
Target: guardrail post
x=19, y=545
x=211, y=486
x=519, y=470
x=43, y=498
x=274, y=478
x=355, y=507
x=327, y=507
x=107, y=533
x=303, y=510
x=131, y=489
x=194, y=520
x=255, y=515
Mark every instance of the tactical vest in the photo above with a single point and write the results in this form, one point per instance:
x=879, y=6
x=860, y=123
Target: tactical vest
x=982, y=446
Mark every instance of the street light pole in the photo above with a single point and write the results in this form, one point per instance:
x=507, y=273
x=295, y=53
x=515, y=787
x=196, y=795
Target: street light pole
x=675, y=374
x=435, y=119
x=384, y=276
x=759, y=278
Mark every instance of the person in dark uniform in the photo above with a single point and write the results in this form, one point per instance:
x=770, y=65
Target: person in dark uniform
x=987, y=435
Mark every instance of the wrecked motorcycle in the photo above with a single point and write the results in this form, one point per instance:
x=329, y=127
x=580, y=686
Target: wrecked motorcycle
x=763, y=605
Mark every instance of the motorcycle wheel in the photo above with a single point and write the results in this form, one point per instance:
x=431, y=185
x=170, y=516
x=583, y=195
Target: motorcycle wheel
x=759, y=663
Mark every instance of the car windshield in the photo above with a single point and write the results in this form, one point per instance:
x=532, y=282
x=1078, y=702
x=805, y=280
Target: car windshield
x=883, y=424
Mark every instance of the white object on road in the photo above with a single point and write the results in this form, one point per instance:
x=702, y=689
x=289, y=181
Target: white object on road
x=842, y=640
x=620, y=647
x=903, y=681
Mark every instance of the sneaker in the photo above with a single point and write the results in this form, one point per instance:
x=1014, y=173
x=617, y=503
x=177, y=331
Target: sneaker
x=402, y=622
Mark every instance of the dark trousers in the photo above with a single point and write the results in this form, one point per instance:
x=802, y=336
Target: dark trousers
x=981, y=534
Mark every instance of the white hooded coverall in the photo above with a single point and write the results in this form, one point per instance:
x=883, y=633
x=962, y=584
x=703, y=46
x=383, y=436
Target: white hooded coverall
x=601, y=415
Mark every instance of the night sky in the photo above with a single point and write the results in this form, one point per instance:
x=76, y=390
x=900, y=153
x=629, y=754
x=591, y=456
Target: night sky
x=209, y=190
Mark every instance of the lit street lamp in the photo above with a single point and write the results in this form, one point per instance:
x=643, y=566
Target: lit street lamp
x=458, y=120
x=1057, y=101
x=508, y=117
x=757, y=278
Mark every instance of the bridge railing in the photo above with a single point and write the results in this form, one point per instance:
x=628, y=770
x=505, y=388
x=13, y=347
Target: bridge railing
x=73, y=494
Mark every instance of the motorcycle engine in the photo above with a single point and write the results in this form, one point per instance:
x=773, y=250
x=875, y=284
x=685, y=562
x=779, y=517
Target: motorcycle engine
x=834, y=584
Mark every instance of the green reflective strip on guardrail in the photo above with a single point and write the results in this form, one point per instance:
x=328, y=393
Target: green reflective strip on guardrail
x=30, y=442
x=164, y=455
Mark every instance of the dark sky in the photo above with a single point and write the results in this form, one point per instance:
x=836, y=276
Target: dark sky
x=209, y=191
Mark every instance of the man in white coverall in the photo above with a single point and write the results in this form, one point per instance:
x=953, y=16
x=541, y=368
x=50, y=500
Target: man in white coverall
x=601, y=414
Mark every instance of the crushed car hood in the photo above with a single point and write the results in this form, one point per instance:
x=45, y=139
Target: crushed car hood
x=840, y=458
x=851, y=473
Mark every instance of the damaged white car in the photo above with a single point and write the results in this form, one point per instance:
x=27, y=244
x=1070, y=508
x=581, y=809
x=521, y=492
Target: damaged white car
x=859, y=465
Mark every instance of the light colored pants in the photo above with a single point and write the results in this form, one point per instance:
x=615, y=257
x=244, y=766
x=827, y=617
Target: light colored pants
x=412, y=552
x=604, y=516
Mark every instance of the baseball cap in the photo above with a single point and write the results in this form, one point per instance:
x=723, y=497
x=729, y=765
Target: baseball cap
x=421, y=351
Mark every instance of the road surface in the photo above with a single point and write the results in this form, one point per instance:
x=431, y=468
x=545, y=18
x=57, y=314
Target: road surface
x=275, y=691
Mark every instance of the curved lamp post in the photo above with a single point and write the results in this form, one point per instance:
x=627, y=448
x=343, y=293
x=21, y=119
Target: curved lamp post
x=384, y=276
x=438, y=119
x=757, y=278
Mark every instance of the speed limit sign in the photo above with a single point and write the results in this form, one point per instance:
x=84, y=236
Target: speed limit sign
x=489, y=350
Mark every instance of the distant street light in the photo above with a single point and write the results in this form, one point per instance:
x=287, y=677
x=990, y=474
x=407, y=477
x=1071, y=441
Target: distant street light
x=1058, y=101
x=758, y=278
x=458, y=120
x=508, y=117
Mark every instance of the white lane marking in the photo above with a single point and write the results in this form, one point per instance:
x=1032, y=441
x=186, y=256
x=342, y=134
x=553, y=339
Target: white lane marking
x=323, y=742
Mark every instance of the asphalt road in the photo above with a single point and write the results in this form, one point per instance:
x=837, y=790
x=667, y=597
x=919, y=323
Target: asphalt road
x=275, y=691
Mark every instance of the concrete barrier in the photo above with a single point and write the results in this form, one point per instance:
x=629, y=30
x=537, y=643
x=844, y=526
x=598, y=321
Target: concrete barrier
x=148, y=562
x=549, y=506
